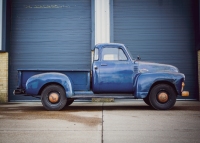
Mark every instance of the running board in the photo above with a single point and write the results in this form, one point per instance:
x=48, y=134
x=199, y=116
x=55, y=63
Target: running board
x=90, y=94
x=103, y=96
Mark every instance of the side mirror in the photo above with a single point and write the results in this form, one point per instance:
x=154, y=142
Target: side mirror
x=138, y=58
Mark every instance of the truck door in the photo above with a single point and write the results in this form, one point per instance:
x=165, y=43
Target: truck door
x=115, y=71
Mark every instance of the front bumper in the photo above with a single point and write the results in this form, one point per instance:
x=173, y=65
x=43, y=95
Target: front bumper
x=185, y=93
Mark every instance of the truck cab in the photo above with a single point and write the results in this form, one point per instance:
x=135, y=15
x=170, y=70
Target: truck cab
x=114, y=74
x=113, y=69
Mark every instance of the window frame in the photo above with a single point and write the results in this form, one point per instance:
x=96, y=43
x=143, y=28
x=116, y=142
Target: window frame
x=123, y=53
x=96, y=53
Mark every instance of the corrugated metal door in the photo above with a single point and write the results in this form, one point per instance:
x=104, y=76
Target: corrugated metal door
x=52, y=34
x=159, y=31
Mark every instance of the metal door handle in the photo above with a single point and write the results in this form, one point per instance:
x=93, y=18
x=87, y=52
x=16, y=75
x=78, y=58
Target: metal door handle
x=95, y=67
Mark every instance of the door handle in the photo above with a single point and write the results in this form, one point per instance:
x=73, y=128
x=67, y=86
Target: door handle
x=95, y=67
x=103, y=64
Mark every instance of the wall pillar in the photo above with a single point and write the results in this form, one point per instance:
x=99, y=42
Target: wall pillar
x=3, y=77
x=102, y=21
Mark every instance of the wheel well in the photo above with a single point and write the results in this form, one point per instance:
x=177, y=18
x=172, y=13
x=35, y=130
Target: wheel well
x=47, y=84
x=163, y=82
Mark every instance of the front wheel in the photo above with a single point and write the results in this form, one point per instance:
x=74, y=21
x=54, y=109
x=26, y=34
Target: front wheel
x=53, y=97
x=162, y=97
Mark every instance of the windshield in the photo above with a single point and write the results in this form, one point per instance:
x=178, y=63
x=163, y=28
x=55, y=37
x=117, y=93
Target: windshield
x=130, y=53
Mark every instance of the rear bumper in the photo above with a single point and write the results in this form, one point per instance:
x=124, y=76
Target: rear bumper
x=18, y=91
x=185, y=93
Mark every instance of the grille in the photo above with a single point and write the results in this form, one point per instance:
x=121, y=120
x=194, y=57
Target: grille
x=136, y=69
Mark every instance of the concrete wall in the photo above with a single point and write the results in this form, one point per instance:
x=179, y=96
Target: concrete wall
x=3, y=77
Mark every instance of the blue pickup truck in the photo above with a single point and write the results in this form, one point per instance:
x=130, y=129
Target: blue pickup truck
x=114, y=74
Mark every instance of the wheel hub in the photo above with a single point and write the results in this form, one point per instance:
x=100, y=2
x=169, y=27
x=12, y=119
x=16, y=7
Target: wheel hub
x=163, y=97
x=53, y=97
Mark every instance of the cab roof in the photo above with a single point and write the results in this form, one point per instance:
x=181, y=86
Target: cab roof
x=108, y=44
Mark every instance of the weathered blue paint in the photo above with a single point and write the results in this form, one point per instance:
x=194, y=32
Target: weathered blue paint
x=36, y=82
x=146, y=80
x=78, y=79
x=108, y=76
x=131, y=76
x=147, y=67
x=113, y=76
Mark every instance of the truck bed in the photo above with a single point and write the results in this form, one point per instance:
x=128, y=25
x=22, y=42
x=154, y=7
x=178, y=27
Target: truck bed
x=80, y=79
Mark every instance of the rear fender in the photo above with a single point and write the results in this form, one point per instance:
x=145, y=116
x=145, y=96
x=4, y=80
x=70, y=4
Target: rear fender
x=147, y=80
x=36, y=82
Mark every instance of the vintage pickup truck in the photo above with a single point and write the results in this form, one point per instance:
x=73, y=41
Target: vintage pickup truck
x=114, y=74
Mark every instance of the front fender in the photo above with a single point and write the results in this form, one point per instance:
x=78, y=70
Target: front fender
x=36, y=82
x=147, y=80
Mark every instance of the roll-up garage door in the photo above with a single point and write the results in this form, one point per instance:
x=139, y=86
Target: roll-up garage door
x=159, y=31
x=49, y=34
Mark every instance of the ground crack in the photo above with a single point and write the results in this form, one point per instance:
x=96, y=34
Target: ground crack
x=102, y=124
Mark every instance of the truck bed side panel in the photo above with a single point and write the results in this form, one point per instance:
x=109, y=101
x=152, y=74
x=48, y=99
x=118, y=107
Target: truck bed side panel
x=80, y=80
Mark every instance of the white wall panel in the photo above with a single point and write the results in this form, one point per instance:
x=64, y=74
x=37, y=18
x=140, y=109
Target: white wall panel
x=102, y=21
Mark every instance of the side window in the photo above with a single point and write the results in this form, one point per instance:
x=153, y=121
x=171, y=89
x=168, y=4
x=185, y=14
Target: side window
x=96, y=54
x=110, y=54
x=113, y=54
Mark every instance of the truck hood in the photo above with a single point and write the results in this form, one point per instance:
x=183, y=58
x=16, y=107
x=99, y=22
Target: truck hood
x=155, y=67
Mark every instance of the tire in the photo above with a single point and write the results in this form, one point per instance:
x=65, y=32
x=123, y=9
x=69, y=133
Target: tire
x=53, y=97
x=69, y=101
x=146, y=100
x=162, y=97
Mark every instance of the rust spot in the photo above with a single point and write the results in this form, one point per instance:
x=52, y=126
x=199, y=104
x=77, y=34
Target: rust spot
x=53, y=97
x=163, y=97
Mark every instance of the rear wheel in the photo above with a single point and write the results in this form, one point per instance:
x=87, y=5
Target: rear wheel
x=53, y=97
x=162, y=97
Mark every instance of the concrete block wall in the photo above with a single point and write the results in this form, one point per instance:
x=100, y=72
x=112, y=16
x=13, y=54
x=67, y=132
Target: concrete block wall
x=3, y=77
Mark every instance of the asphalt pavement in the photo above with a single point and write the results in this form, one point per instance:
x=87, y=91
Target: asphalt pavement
x=100, y=122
